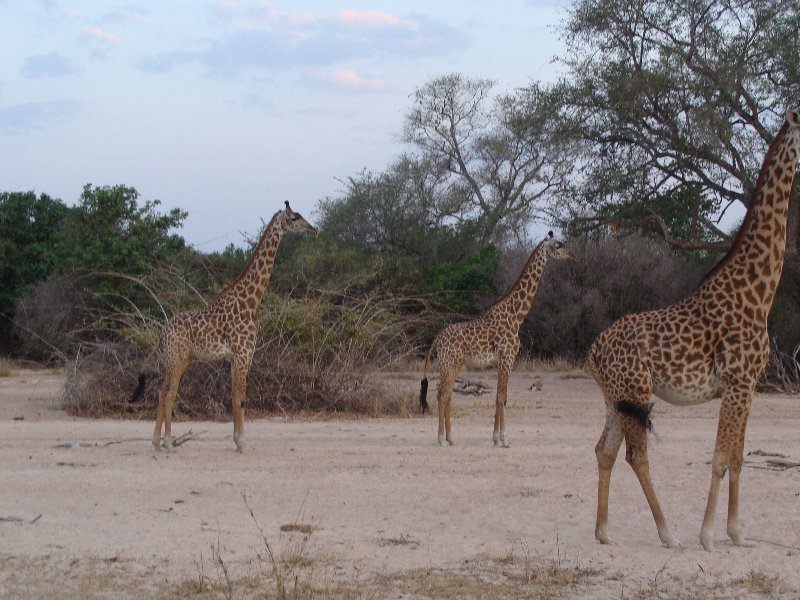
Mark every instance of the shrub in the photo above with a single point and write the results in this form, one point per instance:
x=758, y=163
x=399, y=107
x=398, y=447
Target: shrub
x=321, y=352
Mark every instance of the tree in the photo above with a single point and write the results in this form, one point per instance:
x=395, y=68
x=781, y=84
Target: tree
x=109, y=231
x=29, y=225
x=677, y=103
x=84, y=256
x=498, y=166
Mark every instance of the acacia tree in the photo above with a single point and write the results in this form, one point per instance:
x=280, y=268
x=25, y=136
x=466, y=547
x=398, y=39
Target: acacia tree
x=677, y=103
x=499, y=164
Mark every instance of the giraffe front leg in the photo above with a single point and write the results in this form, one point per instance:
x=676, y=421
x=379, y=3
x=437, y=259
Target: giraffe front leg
x=728, y=458
x=499, y=435
x=239, y=369
x=444, y=394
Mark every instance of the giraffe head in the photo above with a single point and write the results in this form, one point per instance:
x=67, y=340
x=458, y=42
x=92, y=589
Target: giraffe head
x=793, y=120
x=293, y=222
x=556, y=249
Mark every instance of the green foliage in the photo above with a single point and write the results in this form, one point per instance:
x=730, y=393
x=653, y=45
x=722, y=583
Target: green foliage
x=109, y=231
x=459, y=282
x=107, y=239
x=28, y=226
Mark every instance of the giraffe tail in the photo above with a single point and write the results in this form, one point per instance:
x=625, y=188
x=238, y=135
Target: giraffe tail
x=140, y=383
x=640, y=412
x=423, y=385
x=137, y=393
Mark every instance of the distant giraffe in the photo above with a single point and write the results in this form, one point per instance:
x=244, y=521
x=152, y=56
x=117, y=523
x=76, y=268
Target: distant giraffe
x=712, y=344
x=494, y=336
x=223, y=329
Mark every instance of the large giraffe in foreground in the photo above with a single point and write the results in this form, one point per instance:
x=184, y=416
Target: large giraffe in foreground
x=494, y=336
x=712, y=344
x=223, y=329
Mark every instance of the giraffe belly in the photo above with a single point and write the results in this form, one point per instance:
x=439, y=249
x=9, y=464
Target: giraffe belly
x=481, y=360
x=697, y=390
x=212, y=352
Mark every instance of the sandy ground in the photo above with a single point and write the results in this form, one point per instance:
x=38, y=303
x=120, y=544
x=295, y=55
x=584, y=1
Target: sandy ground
x=88, y=509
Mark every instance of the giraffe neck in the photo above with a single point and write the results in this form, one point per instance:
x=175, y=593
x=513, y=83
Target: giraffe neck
x=250, y=285
x=516, y=302
x=757, y=252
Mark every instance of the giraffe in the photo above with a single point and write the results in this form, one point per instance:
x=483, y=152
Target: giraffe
x=494, y=336
x=223, y=329
x=712, y=344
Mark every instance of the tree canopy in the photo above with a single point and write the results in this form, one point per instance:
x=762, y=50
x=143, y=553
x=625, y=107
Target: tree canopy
x=676, y=104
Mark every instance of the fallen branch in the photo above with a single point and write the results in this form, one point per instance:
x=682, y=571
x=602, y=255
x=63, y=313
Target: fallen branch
x=472, y=388
x=125, y=441
x=189, y=435
x=782, y=465
x=760, y=452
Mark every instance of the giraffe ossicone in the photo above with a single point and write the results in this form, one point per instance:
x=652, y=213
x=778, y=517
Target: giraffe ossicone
x=225, y=329
x=492, y=337
x=713, y=343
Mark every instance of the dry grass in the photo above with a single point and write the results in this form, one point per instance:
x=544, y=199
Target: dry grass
x=766, y=586
x=292, y=572
x=6, y=369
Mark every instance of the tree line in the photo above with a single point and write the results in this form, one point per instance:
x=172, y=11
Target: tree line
x=654, y=132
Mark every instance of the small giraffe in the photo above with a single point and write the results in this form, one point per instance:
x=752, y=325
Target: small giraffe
x=494, y=336
x=711, y=344
x=223, y=329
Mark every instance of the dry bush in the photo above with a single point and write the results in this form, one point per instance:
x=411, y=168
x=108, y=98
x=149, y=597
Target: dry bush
x=316, y=353
x=782, y=373
x=5, y=368
x=576, y=300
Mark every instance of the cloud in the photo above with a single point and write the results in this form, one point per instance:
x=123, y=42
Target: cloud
x=274, y=41
x=351, y=79
x=130, y=14
x=368, y=17
x=47, y=65
x=21, y=118
x=100, y=40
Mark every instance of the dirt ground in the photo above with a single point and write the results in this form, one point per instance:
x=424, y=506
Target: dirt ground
x=373, y=508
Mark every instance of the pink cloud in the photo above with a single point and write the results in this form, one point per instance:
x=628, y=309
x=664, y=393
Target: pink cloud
x=101, y=38
x=368, y=17
x=354, y=80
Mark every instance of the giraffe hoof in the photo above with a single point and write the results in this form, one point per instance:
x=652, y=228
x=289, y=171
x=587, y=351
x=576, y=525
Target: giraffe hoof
x=707, y=541
x=602, y=536
x=735, y=533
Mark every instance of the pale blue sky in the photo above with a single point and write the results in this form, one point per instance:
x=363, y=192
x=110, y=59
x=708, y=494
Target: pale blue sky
x=226, y=108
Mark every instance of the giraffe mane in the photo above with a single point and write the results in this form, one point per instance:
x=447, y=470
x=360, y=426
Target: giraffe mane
x=510, y=289
x=252, y=257
x=757, y=191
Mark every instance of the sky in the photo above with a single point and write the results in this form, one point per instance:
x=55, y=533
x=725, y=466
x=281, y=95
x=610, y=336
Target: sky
x=227, y=108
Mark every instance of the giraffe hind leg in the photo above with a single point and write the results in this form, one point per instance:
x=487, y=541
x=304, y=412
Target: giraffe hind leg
x=606, y=451
x=635, y=431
